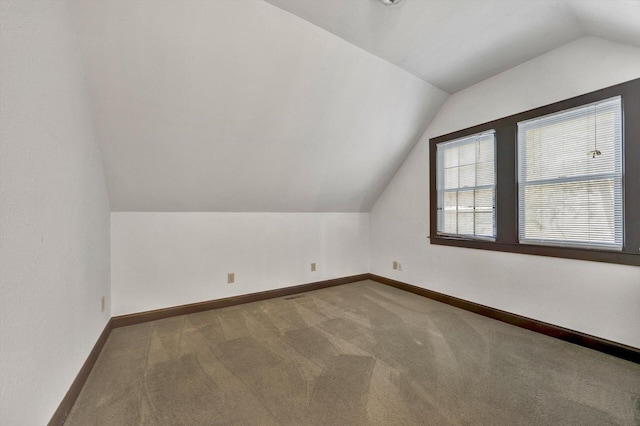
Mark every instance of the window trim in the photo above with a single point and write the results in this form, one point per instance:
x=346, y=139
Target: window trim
x=507, y=238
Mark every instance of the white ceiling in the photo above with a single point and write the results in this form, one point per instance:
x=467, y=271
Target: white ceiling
x=232, y=105
x=454, y=44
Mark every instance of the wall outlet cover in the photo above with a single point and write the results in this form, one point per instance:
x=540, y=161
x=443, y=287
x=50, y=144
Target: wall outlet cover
x=231, y=278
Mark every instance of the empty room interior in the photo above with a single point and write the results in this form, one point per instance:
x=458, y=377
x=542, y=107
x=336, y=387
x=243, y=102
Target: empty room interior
x=320, y=212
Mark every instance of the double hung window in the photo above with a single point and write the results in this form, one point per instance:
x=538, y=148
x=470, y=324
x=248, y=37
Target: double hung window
x=467, y=186
x=561, y=180
x=570, y=177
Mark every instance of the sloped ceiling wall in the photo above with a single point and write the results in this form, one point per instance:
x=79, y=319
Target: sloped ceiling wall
x=233, y=105
x=247, y=105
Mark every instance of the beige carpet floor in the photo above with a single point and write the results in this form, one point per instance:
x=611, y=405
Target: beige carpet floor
x=356, y=354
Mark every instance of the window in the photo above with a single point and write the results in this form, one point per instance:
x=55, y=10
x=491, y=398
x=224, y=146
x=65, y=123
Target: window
x=570, y=177
x=566, y=180
x=466, y=186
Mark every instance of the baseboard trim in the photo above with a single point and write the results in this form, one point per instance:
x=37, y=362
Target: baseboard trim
x=140, y=317
x=70, y=397
x=612, y=348
x=588, y=341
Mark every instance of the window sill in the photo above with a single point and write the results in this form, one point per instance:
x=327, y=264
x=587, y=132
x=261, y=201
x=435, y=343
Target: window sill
x=623, y=258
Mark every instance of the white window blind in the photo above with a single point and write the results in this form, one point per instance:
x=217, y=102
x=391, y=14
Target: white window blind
x=465, y=183
x=570, y=177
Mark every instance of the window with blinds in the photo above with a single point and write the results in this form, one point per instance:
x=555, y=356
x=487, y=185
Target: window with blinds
x=570, y=177
x=466, y=182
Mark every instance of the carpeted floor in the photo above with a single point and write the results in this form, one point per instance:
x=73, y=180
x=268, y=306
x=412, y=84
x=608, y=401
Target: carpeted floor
x=357, y=354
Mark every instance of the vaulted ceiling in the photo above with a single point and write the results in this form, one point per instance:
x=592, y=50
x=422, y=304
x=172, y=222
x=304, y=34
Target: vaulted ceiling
x=239, y=105
x=454, y=44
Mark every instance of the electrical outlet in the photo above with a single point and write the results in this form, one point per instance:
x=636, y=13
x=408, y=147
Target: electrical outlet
x=231, y=278
x=102, y=304
x=399, y=266
x=395, y=264
x=313, y=266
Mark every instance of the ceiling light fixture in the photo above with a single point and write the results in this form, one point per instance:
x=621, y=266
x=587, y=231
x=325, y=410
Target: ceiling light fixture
x=390, y=2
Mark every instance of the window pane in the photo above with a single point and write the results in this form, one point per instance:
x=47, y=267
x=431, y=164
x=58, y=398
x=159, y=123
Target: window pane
x=484, y=200
x=562, y=145
x=450, y=201
x=486, y=150
x=465, y=223
x=573, y=211
x=467, y=176
x=570, y=177
x=465, y=201
x=465, y=179
x=485, y=174
x=451, y=178
x=484, y=224
x=467, y=154
x=450, y=222
x=451, y=157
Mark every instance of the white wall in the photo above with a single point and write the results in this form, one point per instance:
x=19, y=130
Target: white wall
x=591, y=297
x=160, y=260
x=54, y=213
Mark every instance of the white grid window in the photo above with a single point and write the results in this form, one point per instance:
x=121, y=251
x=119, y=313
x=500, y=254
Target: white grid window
x=570, y=177
x=466, y=186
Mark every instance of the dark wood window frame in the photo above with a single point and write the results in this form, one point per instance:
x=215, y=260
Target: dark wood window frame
x=506, y=130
